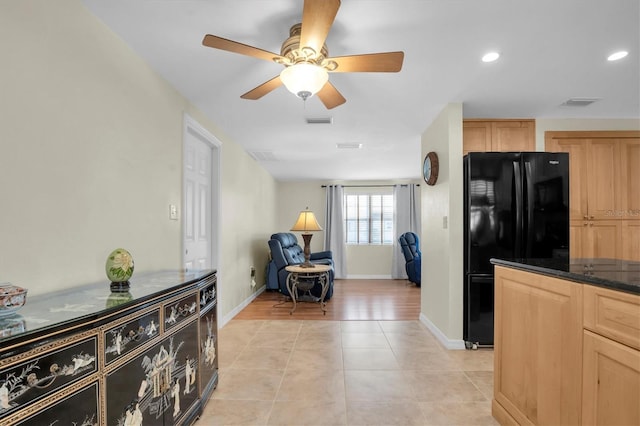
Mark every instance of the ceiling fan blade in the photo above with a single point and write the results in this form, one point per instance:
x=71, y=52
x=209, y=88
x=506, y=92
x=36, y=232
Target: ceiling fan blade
x=330, y=96
x=317, y=18
x=373, y=62
x=235, y=47
x=263, y=89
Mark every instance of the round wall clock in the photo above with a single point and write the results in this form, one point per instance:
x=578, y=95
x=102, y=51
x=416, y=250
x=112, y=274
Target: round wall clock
x=430, y=168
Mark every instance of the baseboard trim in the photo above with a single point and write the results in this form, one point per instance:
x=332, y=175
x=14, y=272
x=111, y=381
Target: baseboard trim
x=241, y=306
x=368, y=277
x=446, y=342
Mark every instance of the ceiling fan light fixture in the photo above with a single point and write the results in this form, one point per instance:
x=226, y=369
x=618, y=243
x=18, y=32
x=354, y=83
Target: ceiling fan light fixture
x=304, y=80
x=617, y=55
x=490, y=57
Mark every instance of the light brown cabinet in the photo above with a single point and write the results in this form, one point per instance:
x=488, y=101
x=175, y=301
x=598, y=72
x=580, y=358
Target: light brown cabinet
x=596, y=238
x=565, y=352
x=498, y=135
x=630, y=178
x=611, y=385
x=537, y=349
x=630, y=240
x=604, y=179
x=611, y=359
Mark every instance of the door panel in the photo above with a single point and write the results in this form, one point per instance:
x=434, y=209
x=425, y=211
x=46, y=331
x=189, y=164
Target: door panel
x=611, y=382
x=603, y=167
x=478, y=315
x=630, y=178
x=630, y=236
x=491, y=199
x=546, y=191
x=606, y=238
x=512, y=136
x=197, y=203
x=476, y=136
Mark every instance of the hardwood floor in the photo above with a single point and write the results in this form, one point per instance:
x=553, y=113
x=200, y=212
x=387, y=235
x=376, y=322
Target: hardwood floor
x=371, y=300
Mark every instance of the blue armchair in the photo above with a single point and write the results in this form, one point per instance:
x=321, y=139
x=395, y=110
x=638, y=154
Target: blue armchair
x=286, y=251
x=410, y=245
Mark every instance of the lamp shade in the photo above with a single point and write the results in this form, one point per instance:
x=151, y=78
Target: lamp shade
x=303, y=79
x=306, y=222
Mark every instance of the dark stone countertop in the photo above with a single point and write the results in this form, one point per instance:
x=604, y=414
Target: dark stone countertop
x=615, y=274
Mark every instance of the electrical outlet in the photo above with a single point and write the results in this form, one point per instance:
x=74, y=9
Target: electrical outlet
x=253, y=277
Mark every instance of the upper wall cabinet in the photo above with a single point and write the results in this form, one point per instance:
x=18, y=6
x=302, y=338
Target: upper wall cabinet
x=498, y=135
x=604, y=173
x=604, y=191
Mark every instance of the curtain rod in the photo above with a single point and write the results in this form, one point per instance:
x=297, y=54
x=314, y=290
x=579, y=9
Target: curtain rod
x=370, y=186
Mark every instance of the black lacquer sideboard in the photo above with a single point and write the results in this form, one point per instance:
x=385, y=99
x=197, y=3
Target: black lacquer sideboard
x=87, y=356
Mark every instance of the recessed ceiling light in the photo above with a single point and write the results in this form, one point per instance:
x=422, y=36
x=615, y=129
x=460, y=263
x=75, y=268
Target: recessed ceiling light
x=618, y=55
x=490, y=57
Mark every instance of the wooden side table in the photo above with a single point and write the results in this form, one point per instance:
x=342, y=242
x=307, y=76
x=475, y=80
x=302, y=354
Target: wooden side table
x=304, y=279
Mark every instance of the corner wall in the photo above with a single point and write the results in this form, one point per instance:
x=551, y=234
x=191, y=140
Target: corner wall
x=442, y=246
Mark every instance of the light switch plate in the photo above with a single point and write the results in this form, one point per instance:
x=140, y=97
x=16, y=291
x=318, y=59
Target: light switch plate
x=173, y=212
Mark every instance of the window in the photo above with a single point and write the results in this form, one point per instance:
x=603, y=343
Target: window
x=369, y=218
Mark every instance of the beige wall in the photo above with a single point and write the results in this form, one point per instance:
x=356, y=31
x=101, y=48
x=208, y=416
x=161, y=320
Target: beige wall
x=362, y=261
x=293, y=197
x=91, y=158
x=442, y=263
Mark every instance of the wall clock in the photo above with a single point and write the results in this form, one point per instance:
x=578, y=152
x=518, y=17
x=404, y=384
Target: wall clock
x=430, y=168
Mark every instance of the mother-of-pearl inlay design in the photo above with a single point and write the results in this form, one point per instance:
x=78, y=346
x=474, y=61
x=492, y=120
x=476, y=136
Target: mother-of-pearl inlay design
x=35, y=375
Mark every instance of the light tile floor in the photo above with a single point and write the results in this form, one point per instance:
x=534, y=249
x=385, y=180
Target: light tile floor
x=346, y=373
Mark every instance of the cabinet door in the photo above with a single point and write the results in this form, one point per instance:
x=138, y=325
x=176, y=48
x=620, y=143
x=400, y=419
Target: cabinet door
x=579, y=239
x=159, y=386
x=605, y=238
x=510, y=136
x=538, y=347
x=577, y=150
x=630, y=178
x=611, y=382
x=604, y=162
x=630, y=238
x=476, y=136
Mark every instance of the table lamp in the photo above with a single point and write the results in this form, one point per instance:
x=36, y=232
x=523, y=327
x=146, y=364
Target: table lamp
x=306, y=222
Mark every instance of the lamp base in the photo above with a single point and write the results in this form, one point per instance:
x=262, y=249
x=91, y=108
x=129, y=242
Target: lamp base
x=307, y=251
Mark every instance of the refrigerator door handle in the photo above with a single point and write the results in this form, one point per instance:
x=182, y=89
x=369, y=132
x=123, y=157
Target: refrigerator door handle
x=518, y=188
x=529, y=209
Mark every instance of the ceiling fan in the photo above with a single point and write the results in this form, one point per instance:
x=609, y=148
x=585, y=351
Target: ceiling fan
x=306, y=57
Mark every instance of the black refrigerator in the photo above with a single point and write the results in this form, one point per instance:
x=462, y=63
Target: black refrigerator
x=516, y=205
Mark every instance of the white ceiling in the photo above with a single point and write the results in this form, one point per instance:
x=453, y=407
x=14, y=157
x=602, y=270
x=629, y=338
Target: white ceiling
x=551, y=50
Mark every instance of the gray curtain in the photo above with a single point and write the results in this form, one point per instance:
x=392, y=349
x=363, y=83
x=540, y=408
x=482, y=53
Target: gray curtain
x=406, y=219
x=334, y=238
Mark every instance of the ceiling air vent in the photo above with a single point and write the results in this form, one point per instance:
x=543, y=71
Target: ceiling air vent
x=580, y=102
x=348, y=145
x=263, y=155
x=319, y=120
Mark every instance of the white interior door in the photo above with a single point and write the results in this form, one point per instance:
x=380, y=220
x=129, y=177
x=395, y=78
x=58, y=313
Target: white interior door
x=200, y=197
